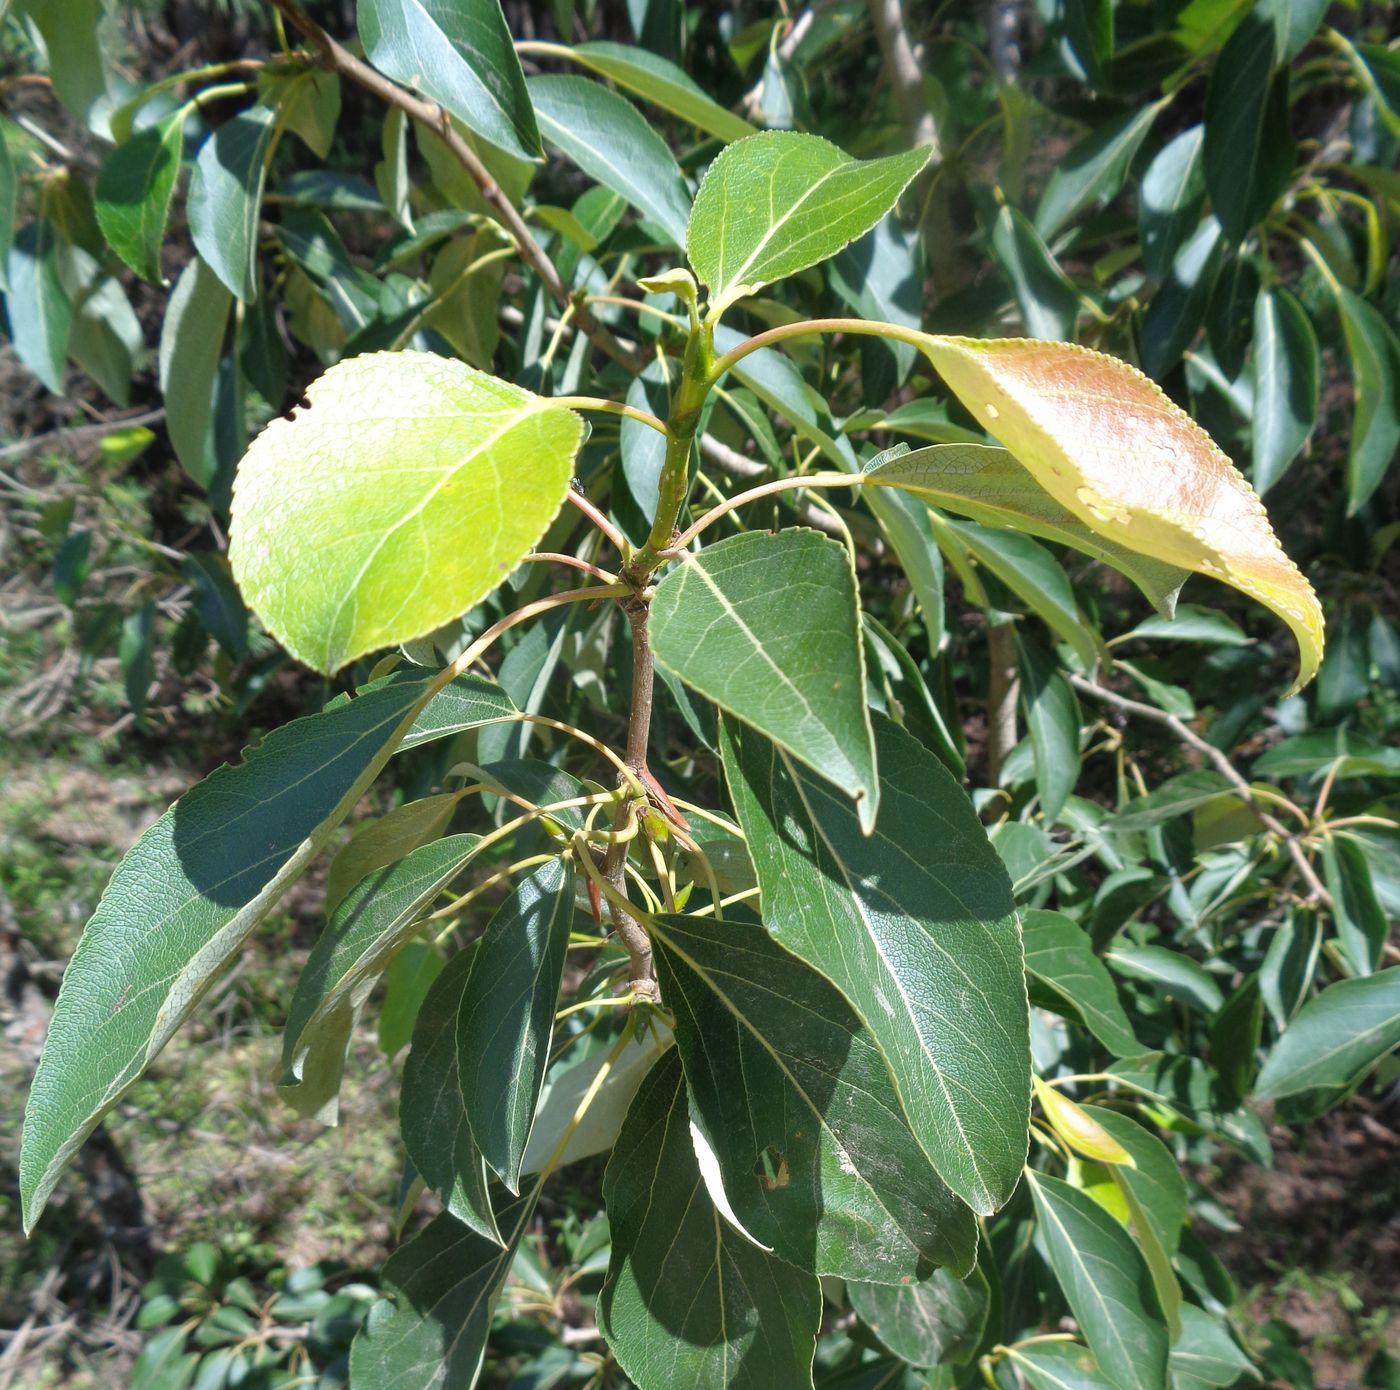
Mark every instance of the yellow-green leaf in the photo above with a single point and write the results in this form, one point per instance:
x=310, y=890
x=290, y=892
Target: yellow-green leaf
x=1110, y=447
x=405, y=491
x=1084, y=1134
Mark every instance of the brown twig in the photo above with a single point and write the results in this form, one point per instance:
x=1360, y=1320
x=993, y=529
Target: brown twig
x=337, y=58
x=1316, y=891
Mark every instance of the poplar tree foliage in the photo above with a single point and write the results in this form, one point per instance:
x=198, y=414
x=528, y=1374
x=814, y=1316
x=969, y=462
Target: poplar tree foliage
x=853, y=1040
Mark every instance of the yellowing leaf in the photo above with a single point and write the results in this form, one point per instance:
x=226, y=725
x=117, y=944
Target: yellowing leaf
x=406, y=490
x=1110, y=447
x=1084, y=1134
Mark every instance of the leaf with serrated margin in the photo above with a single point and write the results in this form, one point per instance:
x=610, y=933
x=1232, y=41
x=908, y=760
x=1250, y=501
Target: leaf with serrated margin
x=432, y=1107
x=134, y=191
x=464, y=703
x=1060, y=959
x=607, y=137
x=181, y=903
x=768, y=627
x=460, y=53
x=1106, y=1283
x=688, y=1300
x=990, y=486
x=781, y=201
x=379, y=916
x=1115, y=451
x=430, y=1332
x=506, y=1016
x=402, y=495
x=795, y=1100
x=914, y=924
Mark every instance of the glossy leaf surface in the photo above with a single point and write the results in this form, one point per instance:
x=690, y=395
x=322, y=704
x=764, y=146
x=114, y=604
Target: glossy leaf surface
x=688, y=1300
x=1106, y=1283
x=817, y=1159
x=606, y=136
x=461, y=54
x=937, y=1322
x=914, y=925
x=768, y=627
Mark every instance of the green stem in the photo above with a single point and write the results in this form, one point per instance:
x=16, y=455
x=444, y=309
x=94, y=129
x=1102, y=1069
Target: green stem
x=869, y=327
x=606, y=407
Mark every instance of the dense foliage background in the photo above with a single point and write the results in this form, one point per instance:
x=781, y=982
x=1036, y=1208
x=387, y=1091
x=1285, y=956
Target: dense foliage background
x=1208, y=189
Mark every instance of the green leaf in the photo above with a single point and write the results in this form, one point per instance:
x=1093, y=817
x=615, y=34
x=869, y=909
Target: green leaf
x=1037, y=579
x=309, y=103
x=216, y=599
x=1375, y=379
x=906, y=695
x=1286, y=383
x=106, y=339
x=768, y=627
x=1286, y=976
x=225, y=198
x=77, y=61
x=1335, y=1038
x=1173, y=973
x=506, y=1014
x=349, y=519
x=1093, y=171
x=1058, y=1366
x=1170, y=199
x=9, y=196
x=378, y=917
x=430, y=1332
x=994, y=489
x=1175, y=797
x=1094, y=432
x=379, y=843
x=1248, y=145
x=894, y=921
x=1106, y=1283
x=191, y=343
x=1362, y=925
x=795, y=1100
x=781, y=201
x=779, y=385
x=1206, y=1354
x=406, y=984
x=1192, y=623
x=1154, y=1193
x=934, y=1323
x=460, y=53
x=606, y=136
x=1060, y=958
x=1157, y=1185
x=134, y=191
x=40, y=314
x=564, y=1092
x=881, y=276
x=688, y=1300
x=433, y=1107
x=1046, y=296
x=466, y=703
x=1052, y=716
x=181, y=903
x=1176, y=312
x=659, y=81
